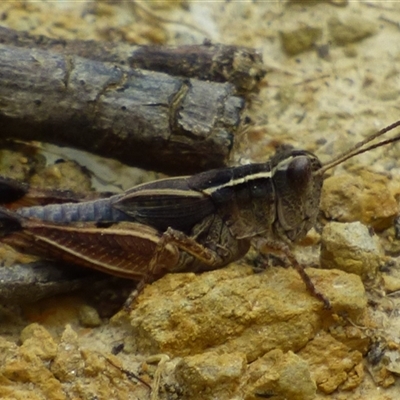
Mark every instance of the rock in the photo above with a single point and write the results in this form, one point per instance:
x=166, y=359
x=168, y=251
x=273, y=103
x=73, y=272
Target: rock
x=68, y=363
x=17, y=164
x=299, y=40
x=391, y=283
x=67, y=175
x=39, y=341
x=211, y=375
x=341, y=198
x=234, y=310
x=61, y=370
x=383, y=362
x=353, y=337
x=274, y=374
x=351, y=248
x=345, y=291
x=22, y=371
x=332, y=363
x=339, y=3
x=350, y=30
x=365, y=197
x=88, y=316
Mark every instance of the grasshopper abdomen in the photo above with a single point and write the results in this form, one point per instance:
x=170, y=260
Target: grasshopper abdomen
x=99, y=210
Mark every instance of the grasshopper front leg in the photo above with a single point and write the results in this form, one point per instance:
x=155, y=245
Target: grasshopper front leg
x=209, y=246
x=282, y=249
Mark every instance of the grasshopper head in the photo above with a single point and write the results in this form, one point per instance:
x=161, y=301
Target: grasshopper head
x=297, y=191
x=298, y=176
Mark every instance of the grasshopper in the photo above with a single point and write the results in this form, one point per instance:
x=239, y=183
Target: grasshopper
x=191, y=223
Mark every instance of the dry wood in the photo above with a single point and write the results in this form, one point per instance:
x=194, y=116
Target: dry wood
x=142, y=118
x=241, y=66
x=29, y=282
x=26, y=283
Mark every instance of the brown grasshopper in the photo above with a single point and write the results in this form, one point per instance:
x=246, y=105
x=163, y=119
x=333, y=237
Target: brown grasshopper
x=192, y=223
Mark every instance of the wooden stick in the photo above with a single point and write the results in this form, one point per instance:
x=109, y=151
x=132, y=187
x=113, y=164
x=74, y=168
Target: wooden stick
x=143, y=118
x=241, y=66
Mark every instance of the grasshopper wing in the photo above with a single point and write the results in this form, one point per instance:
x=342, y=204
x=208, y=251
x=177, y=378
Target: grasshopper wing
x=166, y=203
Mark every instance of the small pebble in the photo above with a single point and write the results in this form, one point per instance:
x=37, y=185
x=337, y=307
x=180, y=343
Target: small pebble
x=89, y=317
x=352, y=248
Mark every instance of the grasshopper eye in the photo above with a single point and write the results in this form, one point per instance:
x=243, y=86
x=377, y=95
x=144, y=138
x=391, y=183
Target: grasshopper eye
x=299, y=173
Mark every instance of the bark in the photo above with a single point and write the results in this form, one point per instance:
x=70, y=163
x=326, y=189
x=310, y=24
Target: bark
x=241, y=66
x=22, y=284
x=143, y=118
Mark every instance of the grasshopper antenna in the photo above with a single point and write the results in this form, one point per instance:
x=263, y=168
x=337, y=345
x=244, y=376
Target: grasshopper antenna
x=361, y=147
